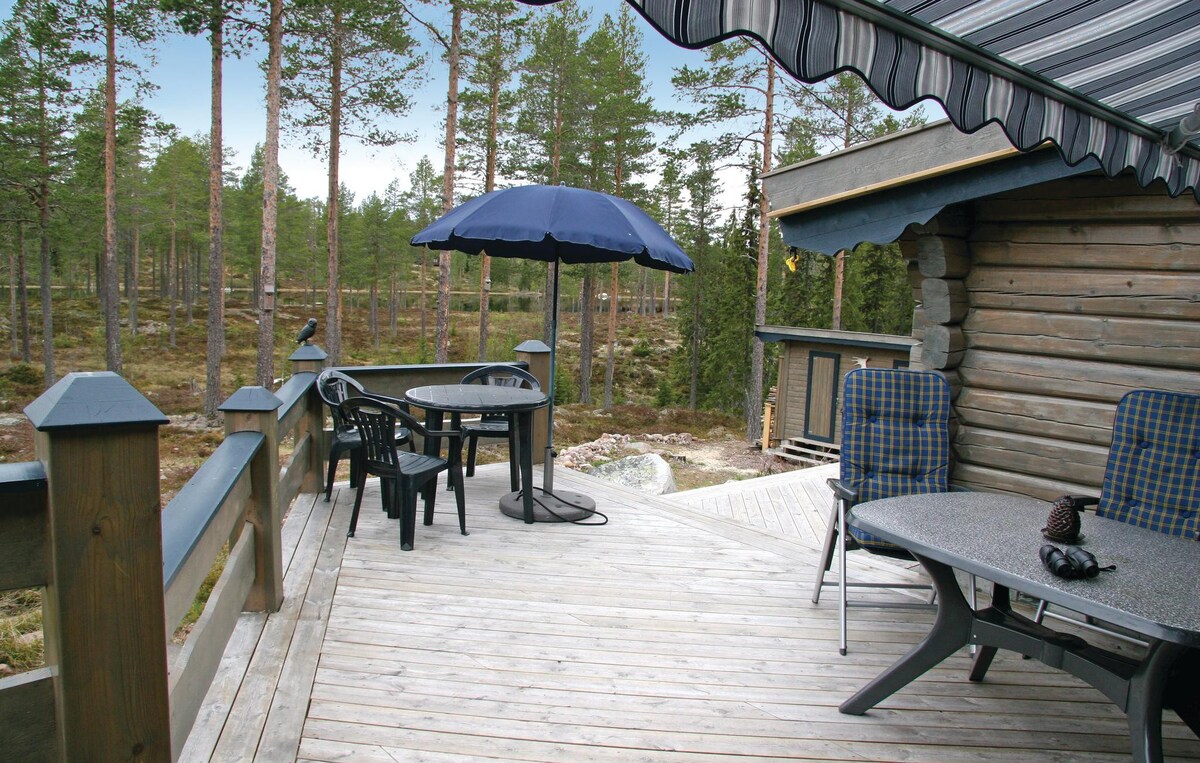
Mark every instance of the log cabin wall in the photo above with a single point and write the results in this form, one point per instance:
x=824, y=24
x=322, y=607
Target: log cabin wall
x=1054, y=302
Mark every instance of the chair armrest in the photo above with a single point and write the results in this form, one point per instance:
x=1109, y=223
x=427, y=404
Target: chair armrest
x=392, y=401
x=841, y=491
x=1081, y=502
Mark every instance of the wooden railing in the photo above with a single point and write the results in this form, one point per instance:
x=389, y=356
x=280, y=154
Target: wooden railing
x=84, y=522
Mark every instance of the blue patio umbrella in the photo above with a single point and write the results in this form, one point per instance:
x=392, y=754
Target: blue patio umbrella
x=556, y=224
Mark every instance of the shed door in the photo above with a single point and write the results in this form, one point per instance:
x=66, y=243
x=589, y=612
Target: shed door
x=821, y=404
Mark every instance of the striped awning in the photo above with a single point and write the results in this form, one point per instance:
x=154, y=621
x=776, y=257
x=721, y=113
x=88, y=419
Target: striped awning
x=1109, y=79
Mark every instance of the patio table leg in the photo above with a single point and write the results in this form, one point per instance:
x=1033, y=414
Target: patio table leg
x=1144, y=710
x=951, y=631
x=524, y=421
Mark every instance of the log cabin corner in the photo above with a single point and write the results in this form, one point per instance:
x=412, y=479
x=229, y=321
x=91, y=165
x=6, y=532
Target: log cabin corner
x=1044, y=291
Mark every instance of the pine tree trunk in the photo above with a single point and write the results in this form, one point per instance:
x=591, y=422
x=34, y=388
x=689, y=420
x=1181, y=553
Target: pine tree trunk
x=111, y=300
x=13, y=324
x=586, y=335
x=131, y=284
x=443, y=303
x=489, y=185
x=215, y=319
x=21, y=325
x=754, y=401
x=610, y=361
x=171, y=272
x=264, y=370
x=333, y=296
x=839, y=278
x=215, y=323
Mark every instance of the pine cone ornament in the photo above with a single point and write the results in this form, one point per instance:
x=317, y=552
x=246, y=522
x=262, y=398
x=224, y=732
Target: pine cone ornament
x=1063, y=524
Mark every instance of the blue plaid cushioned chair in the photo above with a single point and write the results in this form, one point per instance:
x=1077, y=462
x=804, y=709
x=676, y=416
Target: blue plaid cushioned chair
x=895, y=441
x=1152, y=478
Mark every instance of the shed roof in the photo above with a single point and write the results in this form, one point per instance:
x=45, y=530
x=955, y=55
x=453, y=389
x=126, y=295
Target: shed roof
x=829, y=336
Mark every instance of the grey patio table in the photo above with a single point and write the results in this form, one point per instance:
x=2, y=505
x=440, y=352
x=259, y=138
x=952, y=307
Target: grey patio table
x=518, y=403
x=997, y=537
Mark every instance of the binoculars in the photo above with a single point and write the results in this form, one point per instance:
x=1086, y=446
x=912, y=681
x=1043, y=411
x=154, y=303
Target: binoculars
x=1075, y=563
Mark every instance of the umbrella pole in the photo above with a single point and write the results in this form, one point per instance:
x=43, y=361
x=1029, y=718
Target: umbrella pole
x=548, y=460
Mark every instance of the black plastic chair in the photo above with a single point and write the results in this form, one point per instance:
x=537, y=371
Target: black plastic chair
x=403, y=473
x=334, y=387
x=495, y=425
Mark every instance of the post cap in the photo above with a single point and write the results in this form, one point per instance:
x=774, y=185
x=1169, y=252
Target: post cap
x=308, y=352
x=532, y=345
x=91, y=399
x=251, y=399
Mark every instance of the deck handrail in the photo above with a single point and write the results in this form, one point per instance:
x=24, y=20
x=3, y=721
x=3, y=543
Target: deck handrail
x=86, y=521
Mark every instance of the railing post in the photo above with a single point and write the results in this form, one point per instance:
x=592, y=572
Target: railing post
x=97, y=438
x=309, y=357
x=252, y=409
x=537, y=355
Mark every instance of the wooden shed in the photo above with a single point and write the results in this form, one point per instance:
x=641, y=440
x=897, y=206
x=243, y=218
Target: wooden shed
x=1045, y=292
x=812, y=364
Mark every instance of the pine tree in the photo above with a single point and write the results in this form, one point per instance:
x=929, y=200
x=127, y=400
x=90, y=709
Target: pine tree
x=549, y=145
x=37, y=59
x=348, y=63
x=495, y=35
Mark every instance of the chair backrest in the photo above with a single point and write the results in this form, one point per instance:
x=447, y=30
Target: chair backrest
x=1152, y=479
x=503, y=376
x=334, y=387
x=376, y=424
x=895, y=433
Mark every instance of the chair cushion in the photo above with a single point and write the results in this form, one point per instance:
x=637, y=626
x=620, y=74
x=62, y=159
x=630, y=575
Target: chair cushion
x=1152, y=479
x=895, y=437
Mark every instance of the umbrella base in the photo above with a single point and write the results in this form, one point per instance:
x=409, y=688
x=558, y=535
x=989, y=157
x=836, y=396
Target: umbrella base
x=560, y=506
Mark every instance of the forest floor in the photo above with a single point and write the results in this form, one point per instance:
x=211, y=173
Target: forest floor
x=703, y=447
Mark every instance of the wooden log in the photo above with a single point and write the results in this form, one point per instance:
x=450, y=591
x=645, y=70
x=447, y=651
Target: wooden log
x=945, y=300
x=252, y=409
x=955, y=382
x=1168, y=343
x=943, y=257
x=1068, y=377
x=97, y=438
x=943, y=347
x=1180, y=236
x=1141, y=247
x=1084, y=199
x=1029, y=454
x=1108, y=293
x=919, y=323
x=1084, y=421
x=979, y=477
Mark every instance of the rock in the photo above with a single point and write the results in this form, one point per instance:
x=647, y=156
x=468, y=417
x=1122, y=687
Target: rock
x=648, y=473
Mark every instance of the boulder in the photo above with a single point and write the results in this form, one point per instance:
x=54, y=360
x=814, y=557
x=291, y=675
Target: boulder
x=648, y=473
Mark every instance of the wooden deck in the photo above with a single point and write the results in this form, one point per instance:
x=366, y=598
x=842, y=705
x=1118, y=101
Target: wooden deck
x=680, y=631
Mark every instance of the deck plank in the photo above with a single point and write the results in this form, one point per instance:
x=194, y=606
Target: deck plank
x=680, y=632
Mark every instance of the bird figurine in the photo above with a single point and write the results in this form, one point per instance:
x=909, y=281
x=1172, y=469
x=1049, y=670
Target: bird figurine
x=307, y=332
